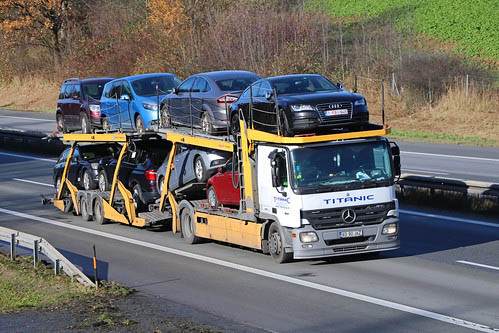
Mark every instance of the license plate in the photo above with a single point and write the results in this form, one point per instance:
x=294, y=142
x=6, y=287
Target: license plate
x=348, y=234
x=339, y=112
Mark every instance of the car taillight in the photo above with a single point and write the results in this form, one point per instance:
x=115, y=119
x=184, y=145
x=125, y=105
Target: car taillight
x=227, y=98
x=151, y=175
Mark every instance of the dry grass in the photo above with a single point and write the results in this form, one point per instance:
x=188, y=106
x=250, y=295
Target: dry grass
x=34, y=94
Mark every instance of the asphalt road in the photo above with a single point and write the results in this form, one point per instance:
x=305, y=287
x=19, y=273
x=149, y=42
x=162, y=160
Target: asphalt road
x=434, y=282
x=438, y=160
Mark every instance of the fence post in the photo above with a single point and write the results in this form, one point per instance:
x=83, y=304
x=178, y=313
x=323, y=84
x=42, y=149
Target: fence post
x=383, y=101
x=13, y=247
x=57, y=267
x=467, y=85
x=35, y=253
x=95, y=269
x=355, y=83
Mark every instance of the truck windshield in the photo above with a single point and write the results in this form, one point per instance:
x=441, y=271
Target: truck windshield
x=341, y=167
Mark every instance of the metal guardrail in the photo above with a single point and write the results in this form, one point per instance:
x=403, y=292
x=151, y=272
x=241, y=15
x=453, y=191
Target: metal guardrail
x=450, y=184
x=39, y=245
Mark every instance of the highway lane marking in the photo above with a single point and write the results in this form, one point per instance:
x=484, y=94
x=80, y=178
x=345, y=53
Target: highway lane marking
x=275, y=276
x=476, y=264
x=449, y=218
x=426, y=171
x=48, y=120
x=453, y=156
x=32, y=182
x=29, y=157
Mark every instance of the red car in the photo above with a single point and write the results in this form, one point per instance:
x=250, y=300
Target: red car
x=221, y=190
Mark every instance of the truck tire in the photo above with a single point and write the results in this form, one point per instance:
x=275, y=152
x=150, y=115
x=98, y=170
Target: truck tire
x=84, y=209
x=188, y=227
x=276, y=245
x=99, y=212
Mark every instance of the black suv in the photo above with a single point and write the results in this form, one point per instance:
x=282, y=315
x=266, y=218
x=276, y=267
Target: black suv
x=78, y=107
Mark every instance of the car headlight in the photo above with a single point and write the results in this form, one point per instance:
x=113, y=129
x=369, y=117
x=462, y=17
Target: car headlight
x=217, y=162
x=301, y=107
x=150, y=106
x=390, y=228
x=360, y=102
x=94, y=107
x=308, y=237
x=94, y=166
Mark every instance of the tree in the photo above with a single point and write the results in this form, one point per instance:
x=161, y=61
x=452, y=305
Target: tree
x=36, y=23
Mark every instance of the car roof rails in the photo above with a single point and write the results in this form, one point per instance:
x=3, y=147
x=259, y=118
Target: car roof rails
x=71, y=79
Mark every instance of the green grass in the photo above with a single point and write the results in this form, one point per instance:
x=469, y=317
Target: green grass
x=442, y=138
x=472, y=25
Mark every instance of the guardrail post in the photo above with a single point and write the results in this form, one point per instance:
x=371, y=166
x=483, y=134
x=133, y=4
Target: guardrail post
x=57, y=266
x=13, y=247
x=35, y=253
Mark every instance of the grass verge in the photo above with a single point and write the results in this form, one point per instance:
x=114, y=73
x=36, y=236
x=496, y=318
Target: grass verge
x=448, y=138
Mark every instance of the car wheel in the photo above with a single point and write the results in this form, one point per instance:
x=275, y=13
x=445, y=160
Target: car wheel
x=285, y=131
x=138, y=200
x=87, y=180
x=276, y=245
x=161, y=180
x=188, y=228
x=103, y=183
x=106, y=126
x=84, y=209
x=139, y=124
x=61, y=124
x=166, y=120
x=234, y=124
x=200, y=169
x=99, y=212
x=57, y=184
x=85, y=124
x=212, y=198
x=206, y=124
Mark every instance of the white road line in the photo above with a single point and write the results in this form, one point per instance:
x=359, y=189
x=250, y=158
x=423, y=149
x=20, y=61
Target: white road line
x=29, y=157
x=425, y=171
x=48, y=120
x=275, y=276
x=452, y=156
x=476, y=264
x=32, y=182
x=449, y=218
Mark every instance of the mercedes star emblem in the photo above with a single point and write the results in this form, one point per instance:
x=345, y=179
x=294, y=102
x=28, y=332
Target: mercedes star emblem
x=348, y=215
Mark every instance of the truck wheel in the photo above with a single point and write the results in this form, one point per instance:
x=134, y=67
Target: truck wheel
x=88, y=182
x=103, y=183
x=276, y=245
x=84, y=209
x=99, y=212
x=85, y=124
x=212, y=198
x=188, y=228
x=200, y=169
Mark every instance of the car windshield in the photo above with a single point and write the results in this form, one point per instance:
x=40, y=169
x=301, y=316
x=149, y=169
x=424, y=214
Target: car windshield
x=236, y=84
x=356, y=165
x=90, y=152
x=302, y=84
x=147, y=86
x=93, y=90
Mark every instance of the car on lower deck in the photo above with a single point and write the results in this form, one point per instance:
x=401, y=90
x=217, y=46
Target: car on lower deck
x=84, y=166
x=306, y=103
x=138, y=169
x=223, y=188
x=201, y=100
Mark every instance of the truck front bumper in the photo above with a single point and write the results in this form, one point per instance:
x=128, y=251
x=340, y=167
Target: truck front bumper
x=330, y=243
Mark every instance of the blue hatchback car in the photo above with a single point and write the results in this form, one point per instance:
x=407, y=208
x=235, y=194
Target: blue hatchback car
x=131, y=102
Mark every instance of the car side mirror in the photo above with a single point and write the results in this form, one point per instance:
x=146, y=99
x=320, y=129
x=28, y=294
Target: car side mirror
x=269, y=95
x=125, y=97
x=339, y=85
x=175, y=90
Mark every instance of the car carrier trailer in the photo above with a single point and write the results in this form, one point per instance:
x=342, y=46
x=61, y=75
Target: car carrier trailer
x=276, y=215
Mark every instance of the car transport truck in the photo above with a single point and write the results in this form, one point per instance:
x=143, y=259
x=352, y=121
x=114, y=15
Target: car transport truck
x=302, y=197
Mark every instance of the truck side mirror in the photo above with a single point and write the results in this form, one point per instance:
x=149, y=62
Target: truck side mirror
x=277, y=167
x=396, y=159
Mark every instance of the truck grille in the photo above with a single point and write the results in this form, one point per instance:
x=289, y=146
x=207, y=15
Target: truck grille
x=331, y=218
x=322, y=108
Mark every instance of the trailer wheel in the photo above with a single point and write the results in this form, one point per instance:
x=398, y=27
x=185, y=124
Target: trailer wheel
x=276, y=245
x=99, y=212
x=84, y=209
x=188, y=228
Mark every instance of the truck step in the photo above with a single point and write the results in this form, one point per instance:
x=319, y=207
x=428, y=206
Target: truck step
x=156, y=216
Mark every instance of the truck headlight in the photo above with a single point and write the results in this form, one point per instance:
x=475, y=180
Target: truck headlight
x=389, y=229
x=308, y=237
x=301, y=107
x=150, y=106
